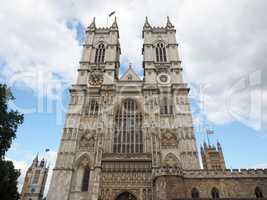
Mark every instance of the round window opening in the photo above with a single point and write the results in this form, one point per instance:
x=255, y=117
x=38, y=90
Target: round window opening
x=163, y=78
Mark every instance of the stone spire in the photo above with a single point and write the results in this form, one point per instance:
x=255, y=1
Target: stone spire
x=35, y=161
x=92, y=26
x=169, y=24
x=114, y=24
x=219, y=147
x=42, y=163
x=147, y=25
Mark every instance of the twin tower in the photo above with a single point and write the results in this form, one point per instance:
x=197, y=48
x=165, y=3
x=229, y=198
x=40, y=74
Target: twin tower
x=124, y=135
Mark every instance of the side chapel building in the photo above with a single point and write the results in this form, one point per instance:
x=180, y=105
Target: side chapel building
x=133, y=139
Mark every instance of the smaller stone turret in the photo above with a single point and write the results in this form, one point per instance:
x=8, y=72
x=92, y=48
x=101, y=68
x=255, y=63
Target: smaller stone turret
x=35, y=179
x=212, y=157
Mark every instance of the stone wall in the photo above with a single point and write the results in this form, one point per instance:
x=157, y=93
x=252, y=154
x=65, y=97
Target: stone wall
x=230, y=183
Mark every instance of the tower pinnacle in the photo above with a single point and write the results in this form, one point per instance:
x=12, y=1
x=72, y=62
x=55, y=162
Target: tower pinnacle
x=169, y=24
x=92, y=25
x=114, y=24
x=147, y=25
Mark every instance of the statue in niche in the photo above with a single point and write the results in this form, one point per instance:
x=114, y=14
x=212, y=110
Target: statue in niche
x=171, y=160
x=87, y=141
x=168, y=139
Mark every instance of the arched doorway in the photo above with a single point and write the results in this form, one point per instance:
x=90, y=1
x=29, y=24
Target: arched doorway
x=126, y=196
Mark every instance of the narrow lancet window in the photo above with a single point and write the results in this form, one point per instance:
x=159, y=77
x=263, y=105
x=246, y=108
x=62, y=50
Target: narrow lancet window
x=258, y=193
x=85, y=180
x=194, y=193
x=215, y=193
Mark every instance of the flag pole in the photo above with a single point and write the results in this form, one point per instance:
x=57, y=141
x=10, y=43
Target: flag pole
x=107, y=21
x=109, y=15
x=208, y=138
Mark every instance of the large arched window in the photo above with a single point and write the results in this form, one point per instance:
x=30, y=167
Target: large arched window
x=128, y=133
x=215, y=193
x=161, y=52
x=100, y=53
x=258, y=193
x=194, y=193
x=85, y=180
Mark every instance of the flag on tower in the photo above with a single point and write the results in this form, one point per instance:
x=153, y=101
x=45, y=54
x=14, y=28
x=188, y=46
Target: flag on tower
x=209, y=131
x=112, y=13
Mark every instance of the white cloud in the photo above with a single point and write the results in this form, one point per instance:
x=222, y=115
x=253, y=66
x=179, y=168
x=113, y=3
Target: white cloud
x=220, y=42
x=260, y=166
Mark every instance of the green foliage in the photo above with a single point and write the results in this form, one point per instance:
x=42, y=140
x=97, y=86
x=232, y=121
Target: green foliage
x=8, y=181
x=9, y=122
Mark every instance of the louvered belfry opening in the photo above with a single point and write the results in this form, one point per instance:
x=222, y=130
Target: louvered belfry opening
x=100, y=54
x=161, y=53
x=128, y=133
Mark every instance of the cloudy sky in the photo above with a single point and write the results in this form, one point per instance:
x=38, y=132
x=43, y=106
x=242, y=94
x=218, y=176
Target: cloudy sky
x=222, y=44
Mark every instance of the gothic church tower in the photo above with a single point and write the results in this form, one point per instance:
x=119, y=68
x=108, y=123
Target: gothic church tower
x=35, y=180
x=123, y=136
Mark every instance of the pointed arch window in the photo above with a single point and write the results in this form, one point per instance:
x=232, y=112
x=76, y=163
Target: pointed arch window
x=258, y=193
x=166, y=106
x=194, y=193
x=92, y=108
x=100, y=54
x=128, y=133
x=215, y=193
x=161, y=52
x=86, y=178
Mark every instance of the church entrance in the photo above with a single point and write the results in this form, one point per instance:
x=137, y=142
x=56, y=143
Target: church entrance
x=126, y=196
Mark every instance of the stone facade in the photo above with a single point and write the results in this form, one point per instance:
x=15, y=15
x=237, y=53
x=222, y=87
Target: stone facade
x=212, y=157
x=35, y=180
x=127, y=138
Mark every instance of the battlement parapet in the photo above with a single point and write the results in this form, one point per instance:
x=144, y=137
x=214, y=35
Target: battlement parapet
x=228, y=173
x=167, y=171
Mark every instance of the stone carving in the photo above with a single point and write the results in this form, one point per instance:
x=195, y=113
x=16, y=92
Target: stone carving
x=84, y=162
x=171, y=160
x=87, y=142
x=168, y=140
x=96, y=78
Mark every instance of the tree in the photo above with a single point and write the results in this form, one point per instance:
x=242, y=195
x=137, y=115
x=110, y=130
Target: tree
x=8, y=180
x=9, y=122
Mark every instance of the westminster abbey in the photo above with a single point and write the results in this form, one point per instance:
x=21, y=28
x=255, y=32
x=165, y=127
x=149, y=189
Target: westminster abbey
x=132, y=138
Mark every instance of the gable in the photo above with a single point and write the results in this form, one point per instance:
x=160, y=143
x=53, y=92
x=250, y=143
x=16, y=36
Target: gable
x=130, y=75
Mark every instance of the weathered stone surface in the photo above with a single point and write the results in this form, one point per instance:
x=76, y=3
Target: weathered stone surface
x=136, y=137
